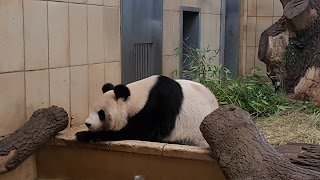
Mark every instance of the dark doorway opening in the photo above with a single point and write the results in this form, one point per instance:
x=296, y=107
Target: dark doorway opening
x=190, y=34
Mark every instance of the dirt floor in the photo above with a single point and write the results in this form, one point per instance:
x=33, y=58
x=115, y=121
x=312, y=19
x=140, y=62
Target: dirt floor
x=291, y=126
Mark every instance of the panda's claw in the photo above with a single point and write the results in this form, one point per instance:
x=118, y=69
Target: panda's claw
x=83, y=136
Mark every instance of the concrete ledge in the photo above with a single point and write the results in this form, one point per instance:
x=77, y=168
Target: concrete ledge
x=66, y=158
x=67, y=138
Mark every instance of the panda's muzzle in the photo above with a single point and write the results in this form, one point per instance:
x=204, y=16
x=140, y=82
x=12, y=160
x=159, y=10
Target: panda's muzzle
x=87, y=124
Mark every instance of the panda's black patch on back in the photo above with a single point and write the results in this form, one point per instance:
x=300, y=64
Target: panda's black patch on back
x=154, y=122
x=158, y=117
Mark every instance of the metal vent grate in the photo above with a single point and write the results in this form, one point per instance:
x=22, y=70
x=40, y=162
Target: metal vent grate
x=142, y=58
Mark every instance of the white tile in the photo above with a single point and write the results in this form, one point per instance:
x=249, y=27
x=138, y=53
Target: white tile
x=167, y=33
x=37, y=91
x=79, y=94
x=112, y=72
x=58, y=23
x=36, y=34
x=11, y=36
x=113, y=3
x=112, y=34
x=12, y=106
x=95, y=2
x=60, y=88
x=95, y=34
x=96, y=81
x=78, y=34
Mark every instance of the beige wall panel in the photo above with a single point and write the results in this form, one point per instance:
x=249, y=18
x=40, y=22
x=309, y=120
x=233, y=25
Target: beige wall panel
x=262, y=24
x=171, y=5
x=112, y=73
x=250, y=61
x=78, y=1
x=96, y=81
x=169, y=65
x=95, y=2
x=13, y=105
x=195, y=3
x=258, y=63
x=205, y=30
x=215, y=32
x=60, y=88
x=95, y=34
x=113, y=3
x=58, y=23
x=36, y=34
x=206, y=6
x=275, y=19
x=277, y=8
x=185, y=2
x=215, y=7
x=112, y=34
x=78, y=34
x=175, y=31
x=168, y=33
x=79, y=94
x=11, y=36
x=37, y=91
x=264, y=7
x=251, y=31
x=252, y=8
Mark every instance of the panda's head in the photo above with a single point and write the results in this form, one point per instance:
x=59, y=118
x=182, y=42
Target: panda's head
x=110, y=112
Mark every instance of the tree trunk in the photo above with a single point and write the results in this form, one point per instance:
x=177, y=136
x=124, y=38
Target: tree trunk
x=304, y=155
x=290, y=48
x=243, y=152
x=43, y=125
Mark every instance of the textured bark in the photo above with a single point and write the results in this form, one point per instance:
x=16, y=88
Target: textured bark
x=243, y=152
x=43, y=125
x=304, y=155
x=291, y=46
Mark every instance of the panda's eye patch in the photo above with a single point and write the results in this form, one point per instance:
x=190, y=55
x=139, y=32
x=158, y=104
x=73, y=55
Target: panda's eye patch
x=102, y=115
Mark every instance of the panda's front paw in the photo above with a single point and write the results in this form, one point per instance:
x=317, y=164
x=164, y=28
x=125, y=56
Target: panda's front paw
x=83, y=136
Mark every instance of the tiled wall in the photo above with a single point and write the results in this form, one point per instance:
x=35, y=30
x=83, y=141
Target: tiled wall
x=210, y=29
x=61, y=52
x=56, y=53
x=256, y=16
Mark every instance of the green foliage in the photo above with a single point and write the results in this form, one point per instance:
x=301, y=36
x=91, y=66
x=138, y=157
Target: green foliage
x=198, y=63
x=252, y=93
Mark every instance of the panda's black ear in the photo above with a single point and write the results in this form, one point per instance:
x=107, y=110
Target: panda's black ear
x=107, y=87
x=121, y=91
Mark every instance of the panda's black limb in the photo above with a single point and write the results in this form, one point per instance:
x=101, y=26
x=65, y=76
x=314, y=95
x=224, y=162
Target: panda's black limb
x=181, y=142
x=86, y=136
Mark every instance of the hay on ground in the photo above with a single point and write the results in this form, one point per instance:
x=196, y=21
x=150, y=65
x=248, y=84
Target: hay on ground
x=291, y=126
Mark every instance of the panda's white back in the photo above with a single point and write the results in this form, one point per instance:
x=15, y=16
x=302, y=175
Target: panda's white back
x=197, y=104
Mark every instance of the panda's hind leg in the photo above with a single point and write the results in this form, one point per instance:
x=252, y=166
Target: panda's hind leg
x=181, y=142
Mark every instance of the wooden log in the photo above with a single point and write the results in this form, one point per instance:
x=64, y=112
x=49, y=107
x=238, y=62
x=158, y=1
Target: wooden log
x=290, y=48
x=298, y=14
x=43, y=125
x=301, y=154
x=243, y=152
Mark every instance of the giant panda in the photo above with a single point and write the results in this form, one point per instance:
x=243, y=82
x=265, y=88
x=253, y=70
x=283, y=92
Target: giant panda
x=156, y=109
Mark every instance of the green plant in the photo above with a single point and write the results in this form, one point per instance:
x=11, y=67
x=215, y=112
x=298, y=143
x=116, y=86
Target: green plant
x=197, y=63
x=252, y=93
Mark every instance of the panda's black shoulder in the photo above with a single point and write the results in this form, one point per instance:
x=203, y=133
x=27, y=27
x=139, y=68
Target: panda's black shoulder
x=165, y=84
